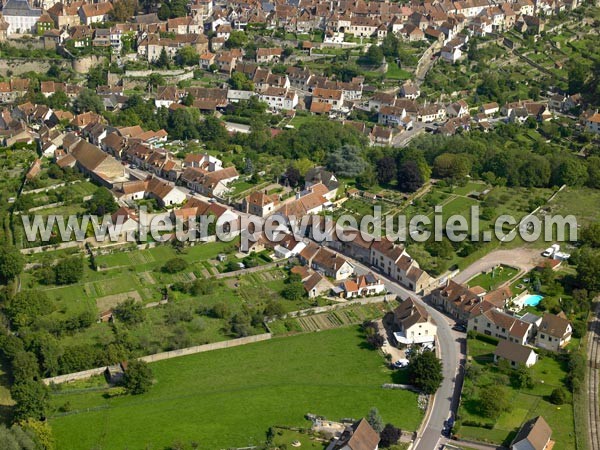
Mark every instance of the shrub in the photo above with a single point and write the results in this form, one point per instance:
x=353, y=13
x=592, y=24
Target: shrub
x=69, y=271
x=558, y=396
x=138, y=377
x=486, y=339
x=130, y=312
x=390, y=435
x=174, y=265
x=116, y=391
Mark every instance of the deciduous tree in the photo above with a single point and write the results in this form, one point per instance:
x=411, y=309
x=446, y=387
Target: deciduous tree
x=138, y=377
x=425, y=371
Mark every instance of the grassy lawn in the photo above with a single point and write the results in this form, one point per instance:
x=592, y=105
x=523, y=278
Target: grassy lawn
x=396, y=73
x=360, y=207
x=239, y=186
x=287, y=437
x=495, y=278
x=231, y=397
x=583, y=203
x=548, y=374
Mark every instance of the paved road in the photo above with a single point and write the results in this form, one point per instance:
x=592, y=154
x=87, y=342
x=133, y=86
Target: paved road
x=452, y=346
x=403, y=139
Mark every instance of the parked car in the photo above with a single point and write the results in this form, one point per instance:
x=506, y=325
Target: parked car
x=460, y=328
x=550, y=251
x=401, y=363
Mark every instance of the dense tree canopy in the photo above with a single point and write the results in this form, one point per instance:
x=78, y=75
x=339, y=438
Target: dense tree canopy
x=102, y=202
x=346, y=161
x=88, y=100
x=425, y=372
x=69, y=270
x=138, y=377
x=409, y=177
x=11, y=262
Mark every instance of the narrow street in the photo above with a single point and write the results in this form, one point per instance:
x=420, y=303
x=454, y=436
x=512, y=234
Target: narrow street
x=452, y=346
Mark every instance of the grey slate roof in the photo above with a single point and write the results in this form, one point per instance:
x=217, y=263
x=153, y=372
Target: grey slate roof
x=20, y=8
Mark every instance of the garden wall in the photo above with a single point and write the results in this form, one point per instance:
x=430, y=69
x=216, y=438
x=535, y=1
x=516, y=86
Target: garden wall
x=162, y=356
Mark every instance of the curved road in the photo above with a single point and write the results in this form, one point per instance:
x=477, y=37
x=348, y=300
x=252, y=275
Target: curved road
x=452, y=346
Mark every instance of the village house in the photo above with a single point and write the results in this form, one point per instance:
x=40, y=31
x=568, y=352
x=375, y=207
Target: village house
x=331, y=264
x=334, y=97
x=554, y=332
x=535, y=434
x=592, y=124
x=396, y=263
x=288, y=247
x=184, y=25
x=13, y=89
x=358, y=436
x=380, y=99
x=95, y=12
x=316, y=285
x=260, y=204
x=81, y=35
x=381, y=135
x=195, y=207
x=430, y=113
x=207, y=59
x=489, y=109
x=495, y=322
x=457, y=109
x=268, y=55
x=203, y=161
x=279, y=99
x=391, y=115
x=363, y=285
x=209, y=183
x=414, y=324
x=410, y=90
x=460, y=301
x=311, y=203
x=128, y=222
x=165, y=194
x=65, y=15
x=516, y=354
x=299, y=77
x=318, y=175
x=93, y=162
x=20, y=16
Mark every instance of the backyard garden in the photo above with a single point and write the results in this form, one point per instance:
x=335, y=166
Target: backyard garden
x=497, y=400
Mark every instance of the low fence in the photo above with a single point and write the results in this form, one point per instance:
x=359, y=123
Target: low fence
x=44, y=248
x=324, y=309
x=162, y=356
x=50, y=188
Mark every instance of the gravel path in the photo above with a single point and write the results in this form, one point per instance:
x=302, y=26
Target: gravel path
x=524, y=259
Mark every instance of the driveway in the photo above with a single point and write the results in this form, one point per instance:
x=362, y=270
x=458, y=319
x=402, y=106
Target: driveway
x=523, y=259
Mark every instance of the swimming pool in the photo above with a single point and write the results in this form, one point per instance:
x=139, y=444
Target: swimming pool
x=532, y=300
